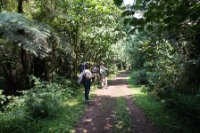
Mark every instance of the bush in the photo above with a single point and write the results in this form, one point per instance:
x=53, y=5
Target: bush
x=187, y=105
x=43, y=100
x=2, y=98
x=112, y=68
x=139, y=77
x=4, y=101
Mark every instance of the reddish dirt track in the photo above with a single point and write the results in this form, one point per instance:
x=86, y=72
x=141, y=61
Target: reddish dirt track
x=99, y=116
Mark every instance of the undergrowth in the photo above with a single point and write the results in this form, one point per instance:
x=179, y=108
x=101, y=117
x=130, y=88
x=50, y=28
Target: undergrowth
x=124, y=121
x=49, y=107
x=166, y=119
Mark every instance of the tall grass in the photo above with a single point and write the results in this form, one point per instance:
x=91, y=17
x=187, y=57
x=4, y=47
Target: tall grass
x=166, y=119
x=123, y=119
x=20, y=118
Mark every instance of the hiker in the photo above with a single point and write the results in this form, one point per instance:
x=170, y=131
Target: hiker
x=82, y=67
x=103, y=74
x=87, y=80
x=95, y=72
x=81, y=76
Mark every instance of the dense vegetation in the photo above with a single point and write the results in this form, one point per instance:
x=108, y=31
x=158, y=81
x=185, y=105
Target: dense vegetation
x=43, y=42
x=42, y=45
x=52, y=38
x=163, y=49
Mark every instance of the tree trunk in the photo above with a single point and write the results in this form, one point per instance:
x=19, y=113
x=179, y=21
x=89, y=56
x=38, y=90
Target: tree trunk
x=10, y=88
x=76, y=50
x=25, y=82
x=40, y=70
x=20, y=6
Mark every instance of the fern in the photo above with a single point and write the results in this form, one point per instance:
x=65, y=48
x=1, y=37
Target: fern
x=33, y=37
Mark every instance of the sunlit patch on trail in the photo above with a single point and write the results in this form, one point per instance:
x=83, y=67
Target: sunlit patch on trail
x=112, y=109
x=116, y=88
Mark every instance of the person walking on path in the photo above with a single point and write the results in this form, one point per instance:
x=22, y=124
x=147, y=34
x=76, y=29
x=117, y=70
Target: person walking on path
x=82, y=67
x=95, y=72
x=87, y=75
x=103, y=75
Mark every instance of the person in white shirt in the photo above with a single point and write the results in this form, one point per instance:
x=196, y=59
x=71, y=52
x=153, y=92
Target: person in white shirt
x=103, y=75
x=95, y=72
x=87, y=80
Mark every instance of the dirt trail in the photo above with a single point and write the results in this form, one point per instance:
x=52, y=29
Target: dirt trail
x=99, y=116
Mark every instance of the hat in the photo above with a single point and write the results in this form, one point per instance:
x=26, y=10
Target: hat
x=102, y=63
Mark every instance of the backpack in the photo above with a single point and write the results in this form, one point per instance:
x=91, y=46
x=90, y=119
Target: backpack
x=82, y=68
x=95, y=69
x=81, y=79
x=103, y=72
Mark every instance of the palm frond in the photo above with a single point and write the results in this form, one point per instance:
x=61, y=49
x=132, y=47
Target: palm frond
x=33, y=37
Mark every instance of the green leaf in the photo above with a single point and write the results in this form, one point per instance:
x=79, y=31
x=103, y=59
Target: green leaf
x=118, y=2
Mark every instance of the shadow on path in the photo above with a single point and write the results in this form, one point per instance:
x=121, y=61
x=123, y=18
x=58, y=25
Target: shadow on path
x=99, y=116
x=100, y=113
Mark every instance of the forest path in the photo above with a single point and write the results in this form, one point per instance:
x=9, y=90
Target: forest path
x=100, y=113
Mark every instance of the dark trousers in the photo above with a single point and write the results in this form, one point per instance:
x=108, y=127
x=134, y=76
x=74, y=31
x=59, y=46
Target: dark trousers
x=87, y=85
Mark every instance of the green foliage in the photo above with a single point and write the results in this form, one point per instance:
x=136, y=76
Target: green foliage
x=163, y=34
x=165, y=119
x=118, y=2
x=14, y=121
x=188, y=106
x=19, y=120
x=86, y=30
x=119, y=55
x=66, y=33
x=17, y=29
x=54, y=103
x=165, y=45
x=14, y=103
x=112, y=69
x=68, y=87
x=2, y=98
x=139, y=77
x=43, y=100
x=124, y=121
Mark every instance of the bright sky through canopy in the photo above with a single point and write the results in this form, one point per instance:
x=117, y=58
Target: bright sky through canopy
x=126, y=2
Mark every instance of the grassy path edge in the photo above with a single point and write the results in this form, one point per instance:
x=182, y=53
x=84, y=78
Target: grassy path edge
x=156, y=111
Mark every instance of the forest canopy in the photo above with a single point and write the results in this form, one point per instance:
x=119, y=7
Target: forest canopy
x=44, y=42
x=45, y=38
